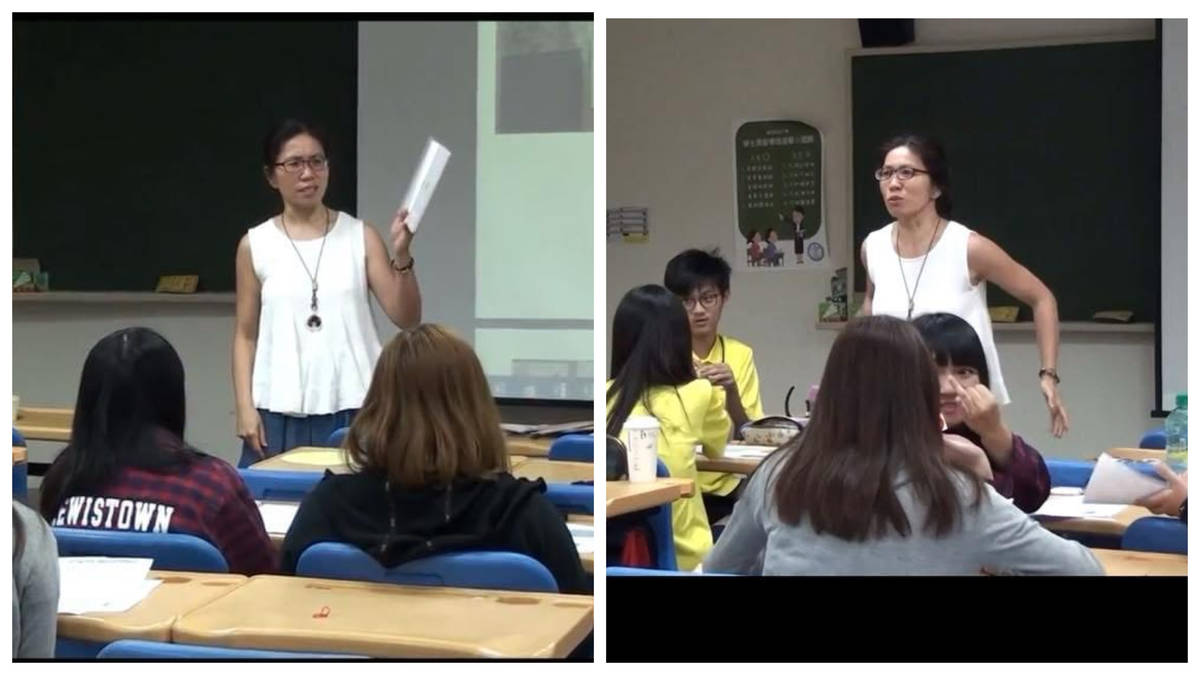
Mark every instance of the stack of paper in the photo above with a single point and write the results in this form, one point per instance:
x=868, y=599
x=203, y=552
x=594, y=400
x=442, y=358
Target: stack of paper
x=1073, y=506
x=97, y=584
x=748, y=451
x=424, y=182
x=277, y=516
x=1122, y=481
x=583, y=426
x=584, y=536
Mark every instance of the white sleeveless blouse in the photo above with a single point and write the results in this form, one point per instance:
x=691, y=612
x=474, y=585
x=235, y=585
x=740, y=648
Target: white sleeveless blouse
x=299, y=371
x=945, y=287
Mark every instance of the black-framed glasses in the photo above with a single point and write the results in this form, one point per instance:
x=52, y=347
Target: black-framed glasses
x=904, y=173
x=317, y=163
x=707, y=301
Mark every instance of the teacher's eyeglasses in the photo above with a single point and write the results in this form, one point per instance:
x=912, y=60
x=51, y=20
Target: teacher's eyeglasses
x=317, y=163
x=904, y=173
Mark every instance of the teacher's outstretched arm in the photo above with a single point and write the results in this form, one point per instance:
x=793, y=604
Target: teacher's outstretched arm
x=394, y=280
x=989, y=262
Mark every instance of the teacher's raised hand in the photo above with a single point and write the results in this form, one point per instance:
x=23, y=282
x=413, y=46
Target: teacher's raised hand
x=401, y=237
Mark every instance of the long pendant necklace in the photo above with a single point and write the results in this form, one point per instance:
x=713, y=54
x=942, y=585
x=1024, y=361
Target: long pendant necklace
x=916, y=284
x=314, y=320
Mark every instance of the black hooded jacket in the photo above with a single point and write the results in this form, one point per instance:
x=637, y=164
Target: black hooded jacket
x=496, y=513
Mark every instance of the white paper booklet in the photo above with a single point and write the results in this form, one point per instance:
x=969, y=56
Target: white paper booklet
x=99, y=584
x=424, y=182
x=277, y=516
x=1122, y=481
x=584, y=536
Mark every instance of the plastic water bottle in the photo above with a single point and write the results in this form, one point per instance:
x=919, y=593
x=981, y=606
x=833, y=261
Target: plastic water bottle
x=1176, y=428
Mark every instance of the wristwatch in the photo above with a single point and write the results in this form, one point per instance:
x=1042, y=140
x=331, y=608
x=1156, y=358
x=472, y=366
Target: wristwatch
x=1052, y=372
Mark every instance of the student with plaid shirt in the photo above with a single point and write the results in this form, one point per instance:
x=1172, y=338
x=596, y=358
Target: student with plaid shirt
x=128, y=468
x=971, y=411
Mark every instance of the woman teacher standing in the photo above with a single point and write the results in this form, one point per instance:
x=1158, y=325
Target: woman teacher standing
x=923, y=262
x=305, y=345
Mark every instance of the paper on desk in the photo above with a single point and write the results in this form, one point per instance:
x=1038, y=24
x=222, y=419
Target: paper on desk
x=748, y=451
x=1073, y=506
x=277, y=516
x=99, y=584
x=424, y=182
x=1116, y=481
x=584, y=536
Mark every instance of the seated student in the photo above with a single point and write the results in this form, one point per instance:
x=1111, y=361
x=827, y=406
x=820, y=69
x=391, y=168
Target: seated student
x=873, y=487
x=653, y=375
x=971, y=411
x=701, y=280
x=35, y=585
x=128, y=468
x=431, y=470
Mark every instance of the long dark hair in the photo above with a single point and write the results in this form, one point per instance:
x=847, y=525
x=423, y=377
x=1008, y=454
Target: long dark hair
x=933, y=156
x=876, y=414
x=952, y=340
x=651, y=346
x=130, y=412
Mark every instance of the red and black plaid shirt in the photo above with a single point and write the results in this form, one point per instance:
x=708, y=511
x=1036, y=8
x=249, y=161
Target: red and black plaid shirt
x=1026, y=480
x=208, y=499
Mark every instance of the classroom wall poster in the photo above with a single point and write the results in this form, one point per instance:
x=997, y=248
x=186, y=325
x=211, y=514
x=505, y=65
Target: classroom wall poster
x=779, y=219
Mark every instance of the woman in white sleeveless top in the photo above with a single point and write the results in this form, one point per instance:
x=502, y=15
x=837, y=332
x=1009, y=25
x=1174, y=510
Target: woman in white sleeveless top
x=923, y=262
x=305, y=345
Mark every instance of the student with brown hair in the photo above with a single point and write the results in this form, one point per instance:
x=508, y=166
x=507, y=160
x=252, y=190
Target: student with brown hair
x=873, y=487
x=431, y=471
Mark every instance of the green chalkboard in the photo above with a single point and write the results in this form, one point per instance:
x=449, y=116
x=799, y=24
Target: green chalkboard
x=1054, y=155
x=137, y=144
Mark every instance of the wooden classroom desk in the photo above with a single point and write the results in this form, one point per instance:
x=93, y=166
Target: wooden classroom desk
x=154, y=617
x=389, y=621
x=1119, y=563
x=742, y=465
x=1137, y=453
x=552, y=471
x=20, y=454
x=1114, y=526
x=44, y=424
x=623, y=496
x=334, y=459
x=528, y=446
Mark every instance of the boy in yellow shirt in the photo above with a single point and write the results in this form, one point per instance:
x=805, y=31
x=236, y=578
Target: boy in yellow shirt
x=701, y=280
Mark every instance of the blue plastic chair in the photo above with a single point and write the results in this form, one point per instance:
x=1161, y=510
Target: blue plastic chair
x=574, y=448
x=1156, y=534
x=658, y=519
x=170, y=550
x=18, y=439
x=288, y=486
x=570, y=498
x=501, y=570
x=649, y=572
x=1069, y=472
x=162, y=651
x=20, y=471
x=336, y=438
x=1155, y=439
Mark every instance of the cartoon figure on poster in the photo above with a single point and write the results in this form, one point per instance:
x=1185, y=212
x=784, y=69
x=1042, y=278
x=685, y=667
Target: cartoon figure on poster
x=778, y=167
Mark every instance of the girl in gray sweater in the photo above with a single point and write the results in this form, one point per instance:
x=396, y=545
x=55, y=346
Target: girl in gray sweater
x=873, y=487
x=35, y=585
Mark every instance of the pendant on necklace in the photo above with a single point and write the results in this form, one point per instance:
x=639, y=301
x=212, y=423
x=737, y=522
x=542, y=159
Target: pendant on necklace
x=314, y=323
x=910, y=310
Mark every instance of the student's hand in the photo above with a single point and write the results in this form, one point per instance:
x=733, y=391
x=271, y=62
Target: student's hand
x=981, y=413
x=1167, y=500
x=1059, y=423
x=965, y=455
x=401, y=237
x=250, y=429
x=719, y=374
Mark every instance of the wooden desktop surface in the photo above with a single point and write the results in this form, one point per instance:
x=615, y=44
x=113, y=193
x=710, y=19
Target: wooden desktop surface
x=1118, y=563
x=153, y=617
x=44, y=424
x=386, y=620
x=625, y=497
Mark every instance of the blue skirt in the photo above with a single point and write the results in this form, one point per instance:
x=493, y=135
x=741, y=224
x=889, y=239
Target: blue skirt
x=285, y=432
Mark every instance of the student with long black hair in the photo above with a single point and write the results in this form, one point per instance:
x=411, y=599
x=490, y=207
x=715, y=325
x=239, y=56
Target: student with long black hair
x=127, y=467
x=972, y=412
x=653, y=374
x=872, y=486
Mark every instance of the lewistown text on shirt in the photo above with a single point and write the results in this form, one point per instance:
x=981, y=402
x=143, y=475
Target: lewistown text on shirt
x=114, y=514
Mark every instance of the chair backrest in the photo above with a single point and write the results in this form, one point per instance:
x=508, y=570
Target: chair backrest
x=574, y=448
x=1156, y=534
x=336, y=438
x=170, y=551
x=1069, y=472
x=502, y=570
x=1155, y=439
x=288, y=486
x=649, y=572
x=145, y=649
x=571, y=498
x=18, y=439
